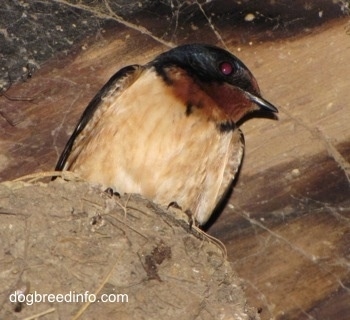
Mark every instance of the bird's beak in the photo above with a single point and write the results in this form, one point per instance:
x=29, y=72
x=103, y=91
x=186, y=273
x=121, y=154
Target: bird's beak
x=262, y=103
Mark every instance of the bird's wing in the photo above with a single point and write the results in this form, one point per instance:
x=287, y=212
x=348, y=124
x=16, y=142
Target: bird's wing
x=114, y=87
x=235, y=156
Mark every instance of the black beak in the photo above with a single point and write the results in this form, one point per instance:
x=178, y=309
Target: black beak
x=262, y=103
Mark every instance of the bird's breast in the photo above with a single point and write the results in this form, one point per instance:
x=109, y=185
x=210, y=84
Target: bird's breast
x=146, y=141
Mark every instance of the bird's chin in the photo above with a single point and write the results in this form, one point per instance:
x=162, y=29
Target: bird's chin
x=232, y=100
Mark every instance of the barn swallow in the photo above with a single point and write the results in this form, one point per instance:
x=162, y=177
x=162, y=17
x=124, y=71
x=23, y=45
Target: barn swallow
x=168, y=129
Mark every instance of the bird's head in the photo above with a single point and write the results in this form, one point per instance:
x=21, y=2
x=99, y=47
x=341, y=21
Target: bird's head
x=220, y=74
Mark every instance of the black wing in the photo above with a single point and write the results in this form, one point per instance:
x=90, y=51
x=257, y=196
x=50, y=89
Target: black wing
x=117, y=82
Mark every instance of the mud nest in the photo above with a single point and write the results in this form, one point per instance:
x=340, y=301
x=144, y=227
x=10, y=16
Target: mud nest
x=69, y=240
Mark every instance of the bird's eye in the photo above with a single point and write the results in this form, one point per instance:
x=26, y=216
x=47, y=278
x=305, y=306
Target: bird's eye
x=226, y=68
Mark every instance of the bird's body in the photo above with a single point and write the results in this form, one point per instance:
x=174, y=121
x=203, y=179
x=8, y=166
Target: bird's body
x=160, y=131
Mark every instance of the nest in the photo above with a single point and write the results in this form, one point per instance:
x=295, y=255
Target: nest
x=72, y=245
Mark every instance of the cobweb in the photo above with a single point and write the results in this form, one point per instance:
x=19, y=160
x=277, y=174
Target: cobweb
x=34, y=32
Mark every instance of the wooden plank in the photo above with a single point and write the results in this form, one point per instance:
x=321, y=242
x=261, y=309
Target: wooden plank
x=287, y=224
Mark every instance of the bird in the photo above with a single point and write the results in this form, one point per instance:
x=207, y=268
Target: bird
x=168, y=130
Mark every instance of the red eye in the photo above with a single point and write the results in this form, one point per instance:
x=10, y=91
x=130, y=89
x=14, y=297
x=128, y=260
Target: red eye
x=226, y=68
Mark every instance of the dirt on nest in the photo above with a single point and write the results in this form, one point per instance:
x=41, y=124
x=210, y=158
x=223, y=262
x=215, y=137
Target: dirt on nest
x=69, y=245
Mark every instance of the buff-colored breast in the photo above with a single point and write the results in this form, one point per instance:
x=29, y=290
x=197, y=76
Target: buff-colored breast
x=144, y=142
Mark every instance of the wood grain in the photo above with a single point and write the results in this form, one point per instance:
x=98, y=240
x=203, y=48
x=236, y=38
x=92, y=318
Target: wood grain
x=287, y=224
